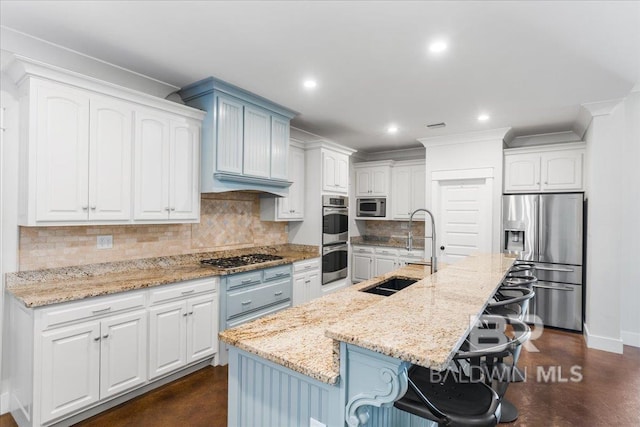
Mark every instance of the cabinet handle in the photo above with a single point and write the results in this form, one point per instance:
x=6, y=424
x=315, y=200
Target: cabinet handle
x=173, y=209
x=307, y=281
x=281, y=274
x=191, y=313
x=105, y=336
x=84, y=208
x=245, y=281
x=185, y=314
x=96, y=339
x=246, y=302
x=190, y=291
x=278, y=293
x=167, y=209
x=102, y=310
x=93, y=208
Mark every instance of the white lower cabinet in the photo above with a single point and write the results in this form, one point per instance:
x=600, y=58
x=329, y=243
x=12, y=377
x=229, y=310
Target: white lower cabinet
x=373, y=261
x=184, y=330
x=84, y=363
x=69, y=357
x=306, y=281
x=362, y=263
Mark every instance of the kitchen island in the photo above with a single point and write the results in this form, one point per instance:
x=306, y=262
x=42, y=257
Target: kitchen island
x=342, y=359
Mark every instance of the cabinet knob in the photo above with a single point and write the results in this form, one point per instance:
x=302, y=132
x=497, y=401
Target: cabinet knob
x=167, y=209
x=190, y=313
x=442, y=248
x=173, y=209
x=185, y=314
x=96, y=339
x=84, y=208
x=105, y=336
x=93, y=208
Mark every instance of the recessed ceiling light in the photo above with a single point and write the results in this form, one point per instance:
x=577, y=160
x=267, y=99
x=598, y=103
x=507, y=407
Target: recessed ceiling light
x=483, y=117
x=392, y=129
x=310, y=84
x=438, y=46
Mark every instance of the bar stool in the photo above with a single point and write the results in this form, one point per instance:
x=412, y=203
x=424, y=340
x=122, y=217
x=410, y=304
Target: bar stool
x=521, y=281
x=456, y=397
x=510, y=301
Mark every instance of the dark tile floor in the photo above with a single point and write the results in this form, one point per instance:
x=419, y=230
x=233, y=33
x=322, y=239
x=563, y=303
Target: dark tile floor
x=567, y=385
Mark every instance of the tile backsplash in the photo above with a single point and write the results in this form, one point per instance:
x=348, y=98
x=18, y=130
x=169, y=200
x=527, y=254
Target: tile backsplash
x=392, y=228
x=227, y=221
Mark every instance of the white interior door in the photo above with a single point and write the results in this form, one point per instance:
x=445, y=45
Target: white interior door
x=463, y=211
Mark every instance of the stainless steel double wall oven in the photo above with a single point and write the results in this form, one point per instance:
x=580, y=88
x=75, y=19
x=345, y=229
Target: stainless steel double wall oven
x=335, y=233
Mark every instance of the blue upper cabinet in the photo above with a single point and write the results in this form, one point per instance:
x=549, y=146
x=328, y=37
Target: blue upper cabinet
x=245, y=138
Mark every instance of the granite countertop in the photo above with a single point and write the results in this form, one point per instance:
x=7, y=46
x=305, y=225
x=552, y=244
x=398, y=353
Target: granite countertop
x=43, y=287
x=295, y=337
x=391, y=241
x=423, y=324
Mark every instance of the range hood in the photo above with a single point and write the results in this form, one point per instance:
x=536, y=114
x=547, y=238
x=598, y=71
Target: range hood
x=245, y=139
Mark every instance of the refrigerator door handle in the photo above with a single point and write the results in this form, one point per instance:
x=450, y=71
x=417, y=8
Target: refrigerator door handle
x=562, y=270
x=554, y=288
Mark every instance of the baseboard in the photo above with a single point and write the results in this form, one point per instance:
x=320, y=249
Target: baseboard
x=4, y=403
x=612, y=345
x=630, y=338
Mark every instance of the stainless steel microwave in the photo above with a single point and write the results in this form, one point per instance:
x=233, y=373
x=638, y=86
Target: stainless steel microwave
x=371, y=207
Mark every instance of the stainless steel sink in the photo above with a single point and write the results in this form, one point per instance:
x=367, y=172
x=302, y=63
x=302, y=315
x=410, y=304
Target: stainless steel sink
x=389, y=286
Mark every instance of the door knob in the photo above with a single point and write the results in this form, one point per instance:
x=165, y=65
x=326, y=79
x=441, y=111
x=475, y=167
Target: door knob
x=442, y=248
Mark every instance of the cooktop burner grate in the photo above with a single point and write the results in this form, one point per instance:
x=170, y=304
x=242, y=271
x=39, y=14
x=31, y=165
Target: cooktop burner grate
x=239, y=261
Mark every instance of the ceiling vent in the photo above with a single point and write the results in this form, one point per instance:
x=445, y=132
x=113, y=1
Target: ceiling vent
x=436, y=125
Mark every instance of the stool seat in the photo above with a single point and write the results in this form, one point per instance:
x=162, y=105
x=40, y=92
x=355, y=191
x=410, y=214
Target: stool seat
x=452, y=401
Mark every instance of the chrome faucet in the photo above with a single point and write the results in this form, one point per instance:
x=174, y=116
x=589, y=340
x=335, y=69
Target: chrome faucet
x=434, y=261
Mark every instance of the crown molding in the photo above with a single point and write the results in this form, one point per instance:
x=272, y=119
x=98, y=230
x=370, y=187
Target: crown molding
x=460, y=138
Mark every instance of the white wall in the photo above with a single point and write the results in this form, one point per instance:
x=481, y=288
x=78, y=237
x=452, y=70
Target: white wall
x=613, y=245
x=9, y=214
x=630, y=230
x=474, y=150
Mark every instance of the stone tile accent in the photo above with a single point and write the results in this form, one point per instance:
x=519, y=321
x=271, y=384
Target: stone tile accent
x=227, y=221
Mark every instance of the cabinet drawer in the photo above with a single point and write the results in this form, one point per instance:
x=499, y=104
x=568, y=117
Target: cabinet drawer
x=362, y=249
x=306, y=265
x=277, y=272
x=247, y=300
x=403, y=253
x=387, y=251
x=92, y=307
x=244, y=279
x=237, y=321
x=182, y=289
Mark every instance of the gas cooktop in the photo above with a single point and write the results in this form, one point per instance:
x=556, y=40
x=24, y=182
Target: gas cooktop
x=239, y=261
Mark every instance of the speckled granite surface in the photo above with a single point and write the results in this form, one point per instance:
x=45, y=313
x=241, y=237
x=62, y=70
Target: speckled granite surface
x=422, y=324
x=43, y=287
x=295, y=337
x=391, y=241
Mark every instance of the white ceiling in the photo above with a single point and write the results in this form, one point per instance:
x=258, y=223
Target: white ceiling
x=529, y=64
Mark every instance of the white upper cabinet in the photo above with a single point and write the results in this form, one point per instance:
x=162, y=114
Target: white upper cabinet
x=58, y=127
x=184, y=170
x=110, y=140
x=545, y=168
x=408, y=193
x=373, y=179
x=77, y=142
x=245, y=138
x=291, y=207
x=166, y=168
x=335, y=172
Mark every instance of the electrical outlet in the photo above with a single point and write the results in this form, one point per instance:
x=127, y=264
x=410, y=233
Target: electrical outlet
x=105, y=242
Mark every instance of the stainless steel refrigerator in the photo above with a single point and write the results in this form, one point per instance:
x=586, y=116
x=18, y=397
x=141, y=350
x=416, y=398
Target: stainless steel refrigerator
x=547, y=229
